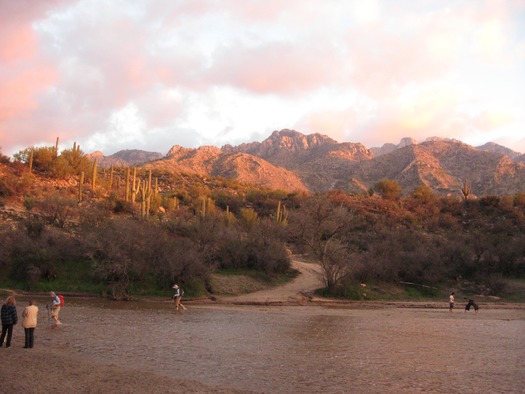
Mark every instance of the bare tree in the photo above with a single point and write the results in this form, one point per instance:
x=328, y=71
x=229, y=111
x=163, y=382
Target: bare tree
x=325, y=228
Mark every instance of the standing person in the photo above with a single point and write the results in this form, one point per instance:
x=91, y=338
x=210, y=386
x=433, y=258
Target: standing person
x=54, y=305
x=451, y=301
x=9, y=319
x=473, y=304
x=177, y=296
x=29, y=315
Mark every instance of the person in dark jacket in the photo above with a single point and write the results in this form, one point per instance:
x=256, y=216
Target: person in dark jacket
x=473, y=304
x=9, y=319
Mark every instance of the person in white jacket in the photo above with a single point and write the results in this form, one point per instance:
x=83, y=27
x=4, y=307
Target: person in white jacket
x=178, y=296
x=29, y=320
x=54, y=305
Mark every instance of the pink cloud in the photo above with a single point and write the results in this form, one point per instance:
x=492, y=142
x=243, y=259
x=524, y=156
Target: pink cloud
x=490, y=119
x=335, y=123
x=67, y=75
x=275, y=68
x=25, y=75
x=16, y=43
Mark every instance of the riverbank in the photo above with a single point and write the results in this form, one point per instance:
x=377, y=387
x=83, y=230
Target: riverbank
x=122, y=347
x=54, y=370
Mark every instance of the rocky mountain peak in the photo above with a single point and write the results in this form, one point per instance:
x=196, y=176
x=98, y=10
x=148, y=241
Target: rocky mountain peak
x=389, y=147
x=176, y=150
x=493, y=147
x=125, y=157
x=292, y=161
x=406, y=141
x=292, y=140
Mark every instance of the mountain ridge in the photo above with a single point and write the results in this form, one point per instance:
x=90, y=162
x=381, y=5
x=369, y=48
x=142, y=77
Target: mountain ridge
x=292, y=161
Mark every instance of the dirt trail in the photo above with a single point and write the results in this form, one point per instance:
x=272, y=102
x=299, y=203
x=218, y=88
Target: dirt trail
x=299, y=290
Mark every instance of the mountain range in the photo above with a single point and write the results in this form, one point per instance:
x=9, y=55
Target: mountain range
x=292, y=161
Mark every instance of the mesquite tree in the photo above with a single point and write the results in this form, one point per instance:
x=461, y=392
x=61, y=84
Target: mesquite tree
x=325, y=229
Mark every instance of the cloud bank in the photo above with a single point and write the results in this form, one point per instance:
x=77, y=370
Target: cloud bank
x=150, y=74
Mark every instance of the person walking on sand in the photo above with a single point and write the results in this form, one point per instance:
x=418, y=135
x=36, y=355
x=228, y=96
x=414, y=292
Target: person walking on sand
x=9, y=319
x=54, y=305
x=177, y=296
x=29, y=316
x=451, y=301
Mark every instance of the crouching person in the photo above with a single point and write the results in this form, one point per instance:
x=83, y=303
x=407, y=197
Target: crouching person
x=471, y=303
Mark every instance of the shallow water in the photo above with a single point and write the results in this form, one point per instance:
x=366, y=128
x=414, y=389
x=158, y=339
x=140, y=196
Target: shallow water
x=303, y=349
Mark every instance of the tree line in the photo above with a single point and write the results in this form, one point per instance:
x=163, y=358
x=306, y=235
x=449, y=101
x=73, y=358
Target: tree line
x=198, y=226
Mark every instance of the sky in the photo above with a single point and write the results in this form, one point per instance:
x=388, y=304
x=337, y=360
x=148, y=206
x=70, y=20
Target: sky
x=151, y=74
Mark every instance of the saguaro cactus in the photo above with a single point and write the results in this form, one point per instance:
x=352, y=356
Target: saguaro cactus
x=203, y=207
x=127, y=183
x=80, y=186
x=143, y=201
x=31, y=154
x=229, y=215
x=111, y=178
x=134, y=187
x=56, y=148
x=465, y=190
x=281, y=215
x=94, y=174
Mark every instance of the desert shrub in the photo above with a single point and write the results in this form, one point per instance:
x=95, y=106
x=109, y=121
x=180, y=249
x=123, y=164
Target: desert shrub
x=125, y=251
x=3, y=158
x=14, y=183
x=29, y=203
x=260, y=248
x=489, y=204
x=269, y=256
x=93, y=215
x=43, y=157
x=32, y=259
x=8, y=185
x=389, y=189
x=71, y=162
x=232, y=253
x=34, y=227
x=58, y=208
x=490, y=285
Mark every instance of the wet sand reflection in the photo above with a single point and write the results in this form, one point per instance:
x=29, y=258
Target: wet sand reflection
x=304, y=349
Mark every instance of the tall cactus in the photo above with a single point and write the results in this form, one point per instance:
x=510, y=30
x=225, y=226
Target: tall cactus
x=80, y=186
x=203, y=207
x=94, y=174
x=31, y=156
x=127, y=183
x=149, y=192
x=229, y=215
x=111, y=170
x=143, y=200
x=134, y=186
x=281, y=215
x=465, y=190
x=56, y=148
